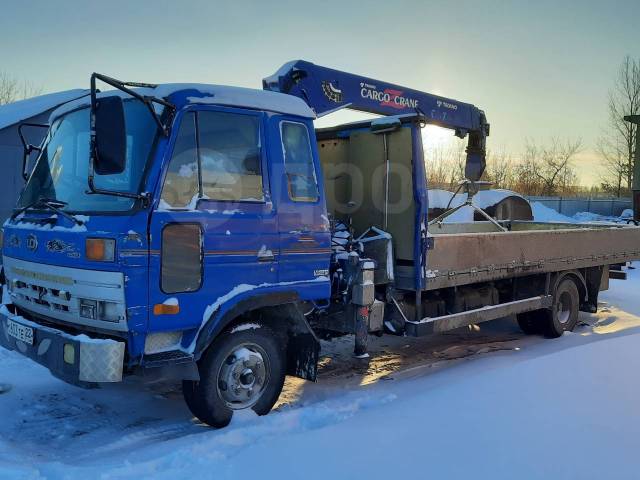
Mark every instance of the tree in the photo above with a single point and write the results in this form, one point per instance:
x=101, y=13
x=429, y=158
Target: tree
x=615, y=175
x=445, y=165
x=500, y=169
x=12, y=89
x=542, y=169
x=528, y=182
x=617, y=144
x=552, y=165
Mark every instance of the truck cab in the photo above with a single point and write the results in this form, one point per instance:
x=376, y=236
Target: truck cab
x=227, y=213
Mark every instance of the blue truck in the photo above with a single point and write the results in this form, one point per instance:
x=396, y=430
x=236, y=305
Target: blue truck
x=212, y=234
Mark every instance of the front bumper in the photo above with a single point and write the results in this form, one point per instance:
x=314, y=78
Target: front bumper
x=88, y=360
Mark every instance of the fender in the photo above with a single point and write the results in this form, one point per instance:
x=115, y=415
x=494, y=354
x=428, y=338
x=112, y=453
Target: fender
x=280, y=311
x=222, y=317
x=581, y=284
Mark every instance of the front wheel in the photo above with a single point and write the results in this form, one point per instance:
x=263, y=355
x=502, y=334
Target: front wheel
x=243, y=368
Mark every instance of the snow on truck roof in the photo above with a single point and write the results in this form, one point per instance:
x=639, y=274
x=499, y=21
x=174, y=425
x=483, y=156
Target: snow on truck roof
x=182, y=94
x=19, y=111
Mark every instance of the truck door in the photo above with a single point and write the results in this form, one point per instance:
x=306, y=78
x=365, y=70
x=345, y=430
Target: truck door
x=214, y=227
x=303, y=224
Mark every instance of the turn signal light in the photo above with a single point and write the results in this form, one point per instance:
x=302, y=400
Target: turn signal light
x=100, y=249
x=166, y=309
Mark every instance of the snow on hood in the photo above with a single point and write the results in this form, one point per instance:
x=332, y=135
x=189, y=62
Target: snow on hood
x=19, y=111
x=204, y=94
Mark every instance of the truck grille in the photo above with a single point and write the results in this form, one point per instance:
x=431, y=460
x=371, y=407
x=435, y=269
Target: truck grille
x=52, y=298
x=85, y=297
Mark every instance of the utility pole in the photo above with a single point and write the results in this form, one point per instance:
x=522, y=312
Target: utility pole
x=635, y=186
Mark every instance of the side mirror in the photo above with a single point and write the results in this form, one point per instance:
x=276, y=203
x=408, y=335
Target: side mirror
x=110, y=136
x=26, y=158
x=27, y=148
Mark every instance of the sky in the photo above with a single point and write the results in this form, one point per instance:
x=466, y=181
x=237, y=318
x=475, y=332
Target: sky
x=538, y=69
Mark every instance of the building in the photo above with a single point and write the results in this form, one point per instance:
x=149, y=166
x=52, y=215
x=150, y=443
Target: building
x=32, y=110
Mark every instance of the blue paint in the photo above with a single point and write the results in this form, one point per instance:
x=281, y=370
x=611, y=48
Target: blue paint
x=327, y=90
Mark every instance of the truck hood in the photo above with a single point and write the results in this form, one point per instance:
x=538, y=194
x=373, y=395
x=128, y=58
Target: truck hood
x=54, y=240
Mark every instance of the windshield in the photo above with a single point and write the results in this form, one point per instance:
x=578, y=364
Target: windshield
x=62, y=168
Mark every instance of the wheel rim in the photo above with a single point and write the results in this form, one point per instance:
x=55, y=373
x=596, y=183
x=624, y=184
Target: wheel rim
x=563, y=308
x=243, y=376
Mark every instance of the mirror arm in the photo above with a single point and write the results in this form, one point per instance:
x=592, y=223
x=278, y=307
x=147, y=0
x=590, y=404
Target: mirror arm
x=145, y=197
x=163, y=128
x=147, y=100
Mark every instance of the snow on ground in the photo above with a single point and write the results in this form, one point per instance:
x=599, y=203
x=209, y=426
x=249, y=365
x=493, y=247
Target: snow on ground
x=479, y=403
x=542, y=213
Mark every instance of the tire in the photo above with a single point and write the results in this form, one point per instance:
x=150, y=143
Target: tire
x=190, y=397
x=531, y=322
x=243, y=368
x=563, y=315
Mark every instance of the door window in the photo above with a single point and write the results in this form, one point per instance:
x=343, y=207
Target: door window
x=181, y=184
x=217, y=156
x=230, y=156
x=298, y=162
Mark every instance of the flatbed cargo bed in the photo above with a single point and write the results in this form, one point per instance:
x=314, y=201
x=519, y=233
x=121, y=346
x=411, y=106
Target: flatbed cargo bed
x=470, y=253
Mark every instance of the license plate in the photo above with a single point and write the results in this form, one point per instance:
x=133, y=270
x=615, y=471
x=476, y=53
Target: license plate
x=20, y=332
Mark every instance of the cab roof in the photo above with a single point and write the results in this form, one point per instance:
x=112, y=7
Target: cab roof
x=183, y=94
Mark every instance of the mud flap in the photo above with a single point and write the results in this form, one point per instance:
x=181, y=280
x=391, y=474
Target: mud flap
x=594, y=279
x=303, y=347
x=302, y=356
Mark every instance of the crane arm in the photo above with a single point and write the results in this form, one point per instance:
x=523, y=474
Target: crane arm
x=326, y=90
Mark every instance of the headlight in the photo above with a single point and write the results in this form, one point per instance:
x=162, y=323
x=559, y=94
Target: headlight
x=88, y=308
x=100, y=249
x=99, y=310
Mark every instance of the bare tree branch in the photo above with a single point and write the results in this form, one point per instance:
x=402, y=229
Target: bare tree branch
x=617, y=144
x=12, y=89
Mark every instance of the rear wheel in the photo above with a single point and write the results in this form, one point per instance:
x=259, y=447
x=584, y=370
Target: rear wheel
x=244, y=368
x=563, y=315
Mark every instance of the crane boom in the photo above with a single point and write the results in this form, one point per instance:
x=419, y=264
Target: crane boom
x=326, y=90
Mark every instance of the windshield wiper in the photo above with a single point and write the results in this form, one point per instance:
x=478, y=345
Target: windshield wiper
x=53, y=205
